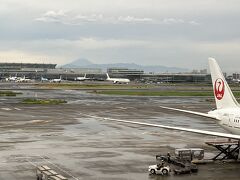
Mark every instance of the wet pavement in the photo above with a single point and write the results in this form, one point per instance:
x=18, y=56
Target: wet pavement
x=89, y=148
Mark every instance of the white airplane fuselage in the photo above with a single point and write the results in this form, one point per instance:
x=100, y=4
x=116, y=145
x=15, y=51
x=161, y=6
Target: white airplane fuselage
x=118, y=80
x=12, y=78
x=226, y=114
x=229, y=119
x=56, y=80
x=23, y=79
x=81, y=79
x=44, y=79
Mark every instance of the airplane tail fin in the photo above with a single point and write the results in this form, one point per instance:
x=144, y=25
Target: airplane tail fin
x=224, y=97
x=85, y=75
x=107, y=76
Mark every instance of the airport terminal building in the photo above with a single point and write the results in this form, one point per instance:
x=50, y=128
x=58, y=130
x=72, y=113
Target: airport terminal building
x=24, y=67
x=126, y=73
x=50, y=71
x=19, y=66
x=36, y=71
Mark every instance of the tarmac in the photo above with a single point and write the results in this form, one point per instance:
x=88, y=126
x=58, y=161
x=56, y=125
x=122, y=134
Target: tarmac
x=63, y=137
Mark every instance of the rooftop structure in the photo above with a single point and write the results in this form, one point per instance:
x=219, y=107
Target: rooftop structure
x=6, y=67
x=125, y=72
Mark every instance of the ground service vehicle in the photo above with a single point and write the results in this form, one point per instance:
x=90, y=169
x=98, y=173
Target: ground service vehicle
x=158, y=169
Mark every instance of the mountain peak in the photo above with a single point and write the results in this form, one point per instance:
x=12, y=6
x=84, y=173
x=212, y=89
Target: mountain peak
x=81, y=62
x=85, y=63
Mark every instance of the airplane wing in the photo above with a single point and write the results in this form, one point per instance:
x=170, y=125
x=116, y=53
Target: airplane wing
x=211, y=133
x=191, y=112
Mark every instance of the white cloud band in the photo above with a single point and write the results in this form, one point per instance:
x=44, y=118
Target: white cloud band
x=70, y=19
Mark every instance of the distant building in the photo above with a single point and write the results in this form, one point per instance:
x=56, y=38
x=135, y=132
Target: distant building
x=72, y=73
x=236, y=76
x=75, y=71
x=36, y=71
x=8, y=67
x=125, y=72
x=31, y=70
x=194, y=71
x=178, y=77
x=203, y=71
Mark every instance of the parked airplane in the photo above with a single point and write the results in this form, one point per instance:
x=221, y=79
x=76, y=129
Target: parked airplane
x=12, y=78
x=236, y=80
x=227, y=112
x=117, y=80
x=82, y=78
x=44, y=79
x=56, y=80
x=23, y=79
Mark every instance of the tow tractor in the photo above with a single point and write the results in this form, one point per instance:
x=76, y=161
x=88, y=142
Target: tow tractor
x=181, y=163
x=179, y=167
x=158, y=169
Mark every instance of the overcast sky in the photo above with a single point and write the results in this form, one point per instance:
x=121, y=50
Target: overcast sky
x=180, y=33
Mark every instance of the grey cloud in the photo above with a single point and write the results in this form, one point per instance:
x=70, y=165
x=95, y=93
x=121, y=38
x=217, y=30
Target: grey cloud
x=134, y=19
x=52, y=16
x=179, y=33
x=178, y=21
x=194, y=23
x=170, y=53
x=72, y=19
x=173, y=21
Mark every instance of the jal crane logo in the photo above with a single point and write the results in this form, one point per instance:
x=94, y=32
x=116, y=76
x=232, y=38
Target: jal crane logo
x=219, y=88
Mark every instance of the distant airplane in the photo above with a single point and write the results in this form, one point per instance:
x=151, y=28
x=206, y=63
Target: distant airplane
x=82, y=78
x=236, y=80
x=24, y=79
x=117, y=80
x=56, y=80
x=44, y=79
x=12, y=78
x=226, y=114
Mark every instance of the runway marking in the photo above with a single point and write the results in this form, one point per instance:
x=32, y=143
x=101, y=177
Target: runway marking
x=59, y=168
x=37, y=121
x=6, y=109
x=35, y=165
x=123, y=108
x=30, y=122
x=32, y=163
x=18, y=109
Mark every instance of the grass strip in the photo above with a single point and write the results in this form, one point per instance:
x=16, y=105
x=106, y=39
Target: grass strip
x=9, y=93
x=159, y=93
x=43, y=101
x=92, y=86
